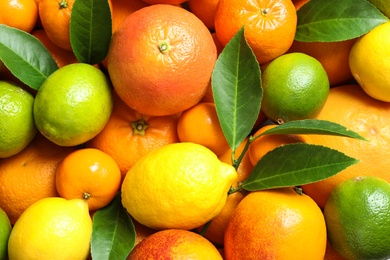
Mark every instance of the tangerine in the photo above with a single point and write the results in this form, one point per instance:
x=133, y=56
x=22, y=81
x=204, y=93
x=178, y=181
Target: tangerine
x=20, y=14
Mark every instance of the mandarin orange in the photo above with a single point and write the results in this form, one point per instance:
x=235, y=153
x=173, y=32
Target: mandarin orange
x=20, y=14
x=204, y=10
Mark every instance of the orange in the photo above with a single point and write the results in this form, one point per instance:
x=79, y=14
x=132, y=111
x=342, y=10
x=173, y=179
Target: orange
x=204, y=10
x=298, y=3
x=128, y=135
x=334, y=57
x=276, y=224
x=120, y=9
x=161, y=59
x=175, y=244
x=20, y=14
x=55, y=19
x=269, y=25
x=29, y=176
x=62, y=57
x=263, y=144
x=171, y=2
x=200, y=124
x=88, y=174
x=351, y=107
x=216, y=230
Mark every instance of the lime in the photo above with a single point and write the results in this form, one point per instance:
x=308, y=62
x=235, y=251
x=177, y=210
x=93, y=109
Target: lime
x=17, y=127
x=295, y=86
x=73, y=104
x=180, y=185
x=5, y=230
x=52, y=228
x=357, y=215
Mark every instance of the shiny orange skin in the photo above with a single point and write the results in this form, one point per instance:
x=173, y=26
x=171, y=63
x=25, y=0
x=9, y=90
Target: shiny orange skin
x=270, y=25
x=276, y=224
x=160, y=60
x=204, y=10
x=20, y=14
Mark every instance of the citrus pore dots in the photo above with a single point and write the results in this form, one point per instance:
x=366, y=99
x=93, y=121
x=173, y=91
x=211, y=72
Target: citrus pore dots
x=295, y=87
x=73, y=104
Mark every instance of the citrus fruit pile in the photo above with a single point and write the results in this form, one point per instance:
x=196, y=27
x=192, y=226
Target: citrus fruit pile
x=194, y=129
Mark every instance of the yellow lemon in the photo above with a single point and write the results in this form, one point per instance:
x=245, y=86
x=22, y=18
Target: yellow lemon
x=180, y=185
x=52, y=228
x=369, y=62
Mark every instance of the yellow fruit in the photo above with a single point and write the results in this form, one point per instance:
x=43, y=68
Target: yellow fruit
x=180, y=185
x=52, y=228
x=369, y=62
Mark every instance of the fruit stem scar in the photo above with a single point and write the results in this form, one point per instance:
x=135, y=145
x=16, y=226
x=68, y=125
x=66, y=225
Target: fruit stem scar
x=164, y=46
x=139, y=127
x=63, y=4
x=264, y=11
x=86, y=195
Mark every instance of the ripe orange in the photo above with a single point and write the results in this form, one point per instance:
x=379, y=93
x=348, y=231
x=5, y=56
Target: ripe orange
x=269, y=25
x=120, y=9
x=55, y=19
x=204, y=10
x=61, y=56
x=160, y=60
x=128, y=135
x=199, y=124
x=20, y=14
x=175, y=244
x=351, y=107
x=276, y=224
x=334, y=57
x=263, y=144
x=88, y=174
x=29, y=175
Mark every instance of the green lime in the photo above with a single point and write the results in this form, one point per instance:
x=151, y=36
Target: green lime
x=357, y=215
x=5, y=231
x=17, y=127
x=295, y=86
x=73, y=104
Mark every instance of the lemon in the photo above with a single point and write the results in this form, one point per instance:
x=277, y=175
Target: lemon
x=180, y=185
x=357, y=215
x=17, y=127
x=5, y=230
x=295, y=86
x=73, y=104
x=369, y=62
x=52, y=228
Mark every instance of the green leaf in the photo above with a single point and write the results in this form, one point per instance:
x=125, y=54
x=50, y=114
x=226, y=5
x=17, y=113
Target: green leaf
x=312, y=126
x=336, y=20
x=296, y=164
x=113, y=233
x=25, y=56
x=90, y=30
x=236, y=84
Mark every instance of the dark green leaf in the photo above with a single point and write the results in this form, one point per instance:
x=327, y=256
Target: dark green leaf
x=236, y=84
x=25, y=56
x=312, y=126
x=296, y=164
x=90, y=30
x=336, y=20
x=113, y=233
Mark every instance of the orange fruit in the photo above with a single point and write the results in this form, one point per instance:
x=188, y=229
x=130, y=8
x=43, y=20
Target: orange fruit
x=128, y=135
x=170, y=2
x=298, y=3
x=334, y=57
x=216, y=230
x=61, y=56
x=204, y=10
x=276, y=224
x=269, y=25
x=20, y=14
x=29, y=175
x=351, y=107
x=263, y=144
x=120, y=9
x=55, y=19
x=175, y=244
x=88, y=174
x=200, y=124
x=160, y=60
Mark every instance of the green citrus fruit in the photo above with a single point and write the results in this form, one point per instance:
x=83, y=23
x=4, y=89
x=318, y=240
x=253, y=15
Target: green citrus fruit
x=180, y=185
x=73, y=104
x=357, y=215
x=17, y=127
x=295, y=86
x=52, y=228
x=5, y=230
